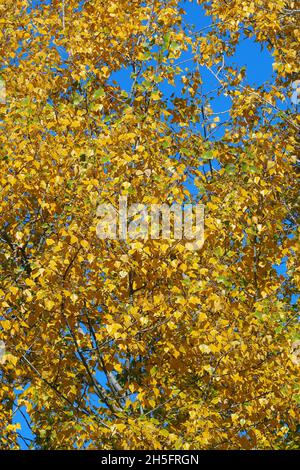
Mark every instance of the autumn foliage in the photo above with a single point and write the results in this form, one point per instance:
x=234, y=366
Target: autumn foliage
x=145, y=344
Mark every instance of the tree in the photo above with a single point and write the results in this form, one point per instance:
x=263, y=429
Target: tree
x=138, y=344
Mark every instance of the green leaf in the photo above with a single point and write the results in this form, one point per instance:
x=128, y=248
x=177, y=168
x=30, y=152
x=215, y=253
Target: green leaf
x=230, y=168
